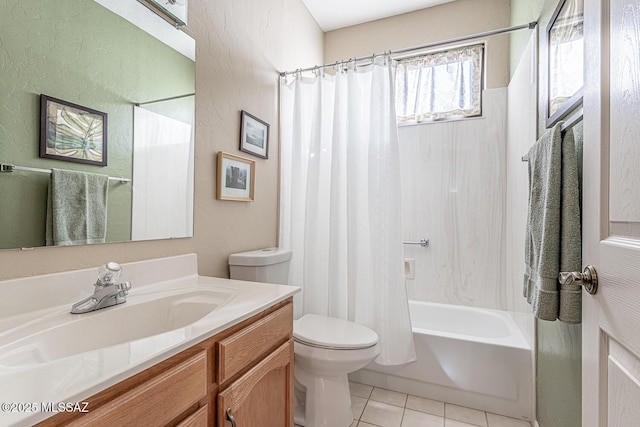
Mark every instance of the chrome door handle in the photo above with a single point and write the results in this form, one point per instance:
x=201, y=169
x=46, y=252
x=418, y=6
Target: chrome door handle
x=588, y=278
x=230, y=418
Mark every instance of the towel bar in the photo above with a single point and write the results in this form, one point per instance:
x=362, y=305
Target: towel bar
x=569, y=123
x=4, y=167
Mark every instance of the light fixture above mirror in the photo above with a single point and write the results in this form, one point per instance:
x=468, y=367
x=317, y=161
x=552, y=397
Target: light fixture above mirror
x=173, y=11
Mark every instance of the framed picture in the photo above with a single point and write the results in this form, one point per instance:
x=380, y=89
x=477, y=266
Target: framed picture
x=236, y=178
x=254, y=135
x=72, y=132
x=565, y=43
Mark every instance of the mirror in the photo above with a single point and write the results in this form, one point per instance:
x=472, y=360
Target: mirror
x=87, y=55
x=566, y=59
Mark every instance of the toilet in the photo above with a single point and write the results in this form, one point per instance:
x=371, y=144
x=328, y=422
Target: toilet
x=326, y=349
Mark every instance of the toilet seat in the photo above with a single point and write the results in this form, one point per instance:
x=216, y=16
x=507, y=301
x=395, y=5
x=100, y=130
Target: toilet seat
x=331, y=333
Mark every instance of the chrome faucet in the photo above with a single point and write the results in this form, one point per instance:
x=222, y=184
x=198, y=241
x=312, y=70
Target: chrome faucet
x=107, y=292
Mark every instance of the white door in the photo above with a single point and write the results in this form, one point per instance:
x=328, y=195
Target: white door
x=611, y=213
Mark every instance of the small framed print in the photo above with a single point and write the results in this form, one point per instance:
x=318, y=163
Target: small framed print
x=236, y=178
x=72, y=132
x=254, y=135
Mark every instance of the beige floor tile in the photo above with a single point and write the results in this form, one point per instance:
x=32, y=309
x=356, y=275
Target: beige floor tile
x=360, y=390
x=363, y=424
x=466, y=415
x=357, y=406
x=388, y=396
x=420, y=419
x=454, y=423
x=382, y=414
x=425, y=405
x=496, y=420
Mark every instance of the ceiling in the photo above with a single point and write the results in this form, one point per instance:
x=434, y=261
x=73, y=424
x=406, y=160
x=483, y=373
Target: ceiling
x=334, y=14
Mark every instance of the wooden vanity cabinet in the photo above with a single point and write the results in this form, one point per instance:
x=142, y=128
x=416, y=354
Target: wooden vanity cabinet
x=255, y=371
x=262, y=396
x=247, y=368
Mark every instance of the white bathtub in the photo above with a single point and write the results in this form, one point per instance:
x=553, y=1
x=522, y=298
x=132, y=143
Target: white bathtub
x=468, y=356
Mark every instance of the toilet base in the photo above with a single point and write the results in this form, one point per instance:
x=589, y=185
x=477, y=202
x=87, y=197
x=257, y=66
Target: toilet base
x=327, y=400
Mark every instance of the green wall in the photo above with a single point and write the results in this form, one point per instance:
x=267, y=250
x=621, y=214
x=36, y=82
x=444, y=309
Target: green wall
x=558, y=345
x=77, y=51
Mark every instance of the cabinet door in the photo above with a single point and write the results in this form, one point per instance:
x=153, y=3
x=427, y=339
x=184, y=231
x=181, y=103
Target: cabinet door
x=263, y=397
x=197, y=419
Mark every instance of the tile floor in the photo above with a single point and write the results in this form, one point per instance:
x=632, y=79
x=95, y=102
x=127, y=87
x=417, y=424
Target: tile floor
x=377, y=407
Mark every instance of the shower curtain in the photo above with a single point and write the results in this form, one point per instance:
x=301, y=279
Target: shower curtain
x=162, y=202
x=340, y=201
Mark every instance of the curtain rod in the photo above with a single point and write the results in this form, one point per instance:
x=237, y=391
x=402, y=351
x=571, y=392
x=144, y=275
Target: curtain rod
x=530, y=26
x=163, y=99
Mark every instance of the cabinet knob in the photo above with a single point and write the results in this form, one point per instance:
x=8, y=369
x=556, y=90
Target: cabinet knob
x=230, y=418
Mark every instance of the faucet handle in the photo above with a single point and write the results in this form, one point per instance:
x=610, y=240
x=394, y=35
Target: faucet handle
x=108, y=274
x=124, y=287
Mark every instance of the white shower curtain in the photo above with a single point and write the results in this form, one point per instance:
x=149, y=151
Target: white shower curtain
x=340, y=201
x=162, y=203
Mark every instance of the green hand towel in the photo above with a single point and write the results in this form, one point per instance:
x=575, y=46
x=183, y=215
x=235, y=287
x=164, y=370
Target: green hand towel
x=76, y=208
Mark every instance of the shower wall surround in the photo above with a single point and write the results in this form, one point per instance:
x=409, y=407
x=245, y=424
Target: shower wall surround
x=454, y=194
x=521, y=135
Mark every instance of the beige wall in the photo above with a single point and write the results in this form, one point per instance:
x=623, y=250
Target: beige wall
x=240, y=47
x=442, y=22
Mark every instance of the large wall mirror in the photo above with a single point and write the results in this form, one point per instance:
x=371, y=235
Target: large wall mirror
x=566, y=60
x=85, y=54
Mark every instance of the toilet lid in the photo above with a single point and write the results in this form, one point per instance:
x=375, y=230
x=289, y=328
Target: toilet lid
x=329, y=332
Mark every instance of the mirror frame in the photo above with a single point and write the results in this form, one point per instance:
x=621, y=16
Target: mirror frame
x=576, y=99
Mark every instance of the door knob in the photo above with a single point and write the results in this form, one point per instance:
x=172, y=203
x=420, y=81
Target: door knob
x=588, y=278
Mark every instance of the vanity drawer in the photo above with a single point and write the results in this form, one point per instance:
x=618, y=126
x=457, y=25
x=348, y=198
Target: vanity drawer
x=157, y=401
x=253, y=342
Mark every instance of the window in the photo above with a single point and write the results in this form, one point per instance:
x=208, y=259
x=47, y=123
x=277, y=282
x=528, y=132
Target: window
x=440, y=85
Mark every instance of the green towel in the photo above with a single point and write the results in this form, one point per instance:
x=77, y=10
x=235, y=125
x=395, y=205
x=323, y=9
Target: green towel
x=553, y=236
x=76, y=208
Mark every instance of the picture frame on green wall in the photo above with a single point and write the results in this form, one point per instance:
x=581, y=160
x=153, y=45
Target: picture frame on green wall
x=72, y=133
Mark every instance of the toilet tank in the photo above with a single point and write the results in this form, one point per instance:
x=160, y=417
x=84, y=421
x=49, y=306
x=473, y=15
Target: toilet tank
x=269, y=265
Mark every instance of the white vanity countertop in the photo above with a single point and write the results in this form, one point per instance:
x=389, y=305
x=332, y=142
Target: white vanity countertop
x=75, y=378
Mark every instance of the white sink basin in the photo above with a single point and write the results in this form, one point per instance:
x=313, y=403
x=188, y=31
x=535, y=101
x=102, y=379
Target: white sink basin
x=164, y=315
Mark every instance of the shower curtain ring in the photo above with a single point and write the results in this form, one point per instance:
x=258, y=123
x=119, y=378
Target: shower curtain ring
x=387, y=57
